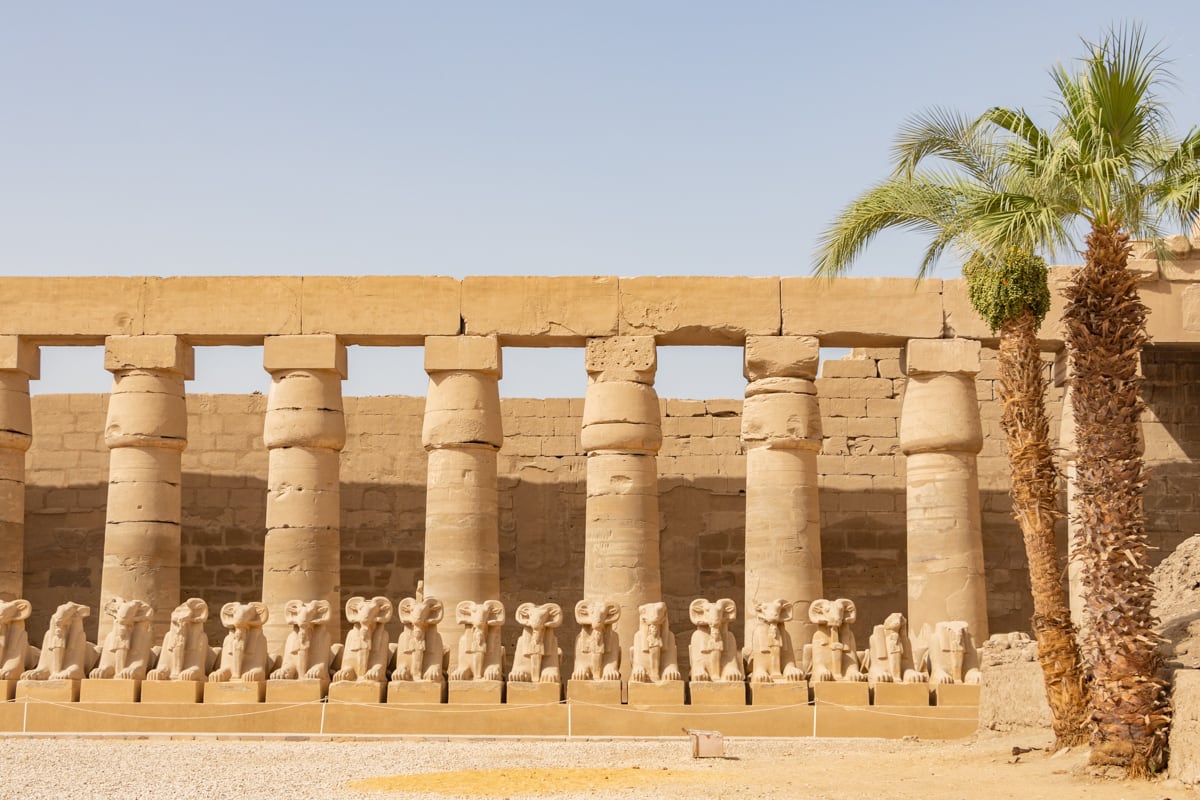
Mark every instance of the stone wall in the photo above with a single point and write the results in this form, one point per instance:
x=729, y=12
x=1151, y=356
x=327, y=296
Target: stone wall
x=542, y=494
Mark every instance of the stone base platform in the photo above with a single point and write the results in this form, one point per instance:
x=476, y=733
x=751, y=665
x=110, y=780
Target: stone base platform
x=109, y=690
x=791, y=693
x=357, y=692
x=8, y=690
x=901, y=694
x=605, y=693
x=563, y=719
x=655, y=694
x=416, y=692
x=475, y=692
x=956, y=694
x=173, y=691
x=55, y=691
x=301, y=690
x=235, y=692
x=841, y=693
x=717, y=693
x=533, y=694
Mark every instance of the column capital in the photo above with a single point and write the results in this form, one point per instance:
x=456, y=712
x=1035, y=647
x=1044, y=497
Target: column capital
x=18, y=355
x=622, y=358
x=158, y=352
x=781, y=357
x=318, y=351
x=481, y=354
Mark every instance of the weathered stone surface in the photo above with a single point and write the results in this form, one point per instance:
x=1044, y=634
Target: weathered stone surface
x=1012, y=691
x=622, y=358
x=463, y=353
x=781, y=357
x=75, y=310
x=922, y=356
x=310, y=352
x=861, y=311
x=18, y=354
x=1185, y=726
x=165, y=352
x=249, y=308
x=388, y=310
x=533, y=310
x=699, y=310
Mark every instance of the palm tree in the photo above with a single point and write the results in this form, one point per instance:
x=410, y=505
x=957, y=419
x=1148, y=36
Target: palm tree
x=1117, y=170
x=957, y=204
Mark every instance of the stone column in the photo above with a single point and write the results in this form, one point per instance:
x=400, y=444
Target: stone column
x=622, y=432
x=462, y=433
x=941, y=434
x=781, y=433
x=146, y=432
x=19, y=362
x=304, y=432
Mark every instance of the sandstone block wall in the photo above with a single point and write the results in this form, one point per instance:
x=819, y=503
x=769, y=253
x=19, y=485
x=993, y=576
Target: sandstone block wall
x=542, y=494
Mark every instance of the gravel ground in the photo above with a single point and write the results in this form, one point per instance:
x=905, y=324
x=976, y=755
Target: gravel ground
x=66, y=768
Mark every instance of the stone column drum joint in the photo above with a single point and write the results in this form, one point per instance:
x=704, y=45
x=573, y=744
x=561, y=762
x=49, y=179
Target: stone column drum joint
x=20, y=362
x=781, y=434
x=462, y=433
x=146, y=432
x=941, y=434
x=304, y=431
x=621, y=434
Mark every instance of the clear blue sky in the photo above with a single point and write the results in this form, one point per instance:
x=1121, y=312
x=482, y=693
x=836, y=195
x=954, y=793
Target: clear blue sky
x=626, y=138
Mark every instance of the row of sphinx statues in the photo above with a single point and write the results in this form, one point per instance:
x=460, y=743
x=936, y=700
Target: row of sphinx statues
x=945, y=653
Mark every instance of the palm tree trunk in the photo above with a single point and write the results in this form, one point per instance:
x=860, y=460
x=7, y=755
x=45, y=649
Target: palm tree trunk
x=1105, y=330
x=1034, y=497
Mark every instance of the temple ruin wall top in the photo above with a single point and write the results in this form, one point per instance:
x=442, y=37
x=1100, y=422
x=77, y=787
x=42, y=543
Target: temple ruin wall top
x=543, y=311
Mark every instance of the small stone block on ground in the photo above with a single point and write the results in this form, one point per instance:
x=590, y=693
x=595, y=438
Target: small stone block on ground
x=357, y=692
x=235, y=692
x=791, y=693
x=901, y=694
x=842, y=693
x=111, y=690
x=173, y=691
x=8, y=690
x=534, y=694
x=956, y=694
x=304, y=690
x=717, y=693
x=475, y=692
x=665, y=693
x=416, y=692
x=59, y=691
x=600, y=693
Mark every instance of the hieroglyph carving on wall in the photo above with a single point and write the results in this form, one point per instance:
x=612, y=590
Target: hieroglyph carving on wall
x=126, y=650
x=66, y=652
x=244, y=652
x=365, y=656
x=597, y=647
x=769, y=654
x=479, y=652
x=536, y=657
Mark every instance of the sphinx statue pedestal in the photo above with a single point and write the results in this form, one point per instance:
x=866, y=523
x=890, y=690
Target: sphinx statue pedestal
x=533, y=694
x=901, y=694
x=416, y=692
x=50, y=691
x=173, y=691
x=475, y=692
x=663, y=693
x=8, y=690
x=357, y=691
x=301, y=690
x=790, y=693
x=600, y=693
x=110, y=690
x=235, y=692
x=717, y=693
x=842, y=693
x=956, y=694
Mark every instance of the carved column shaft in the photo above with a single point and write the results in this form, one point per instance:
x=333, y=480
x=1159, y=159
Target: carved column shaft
x=304, y=430
x=941, y=434
x=19, y=362
x=146, y=432
x=781, y=432
x=622, y=432
x=462, y=433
